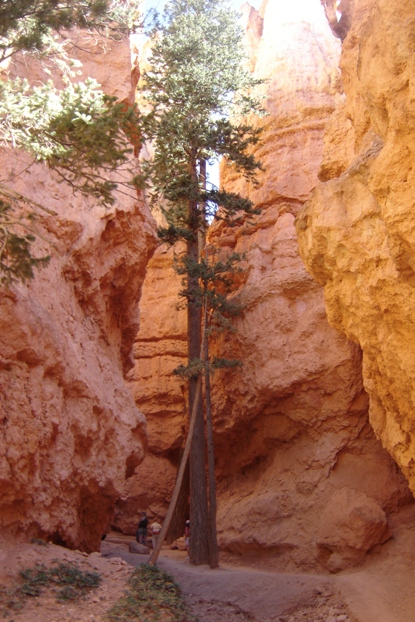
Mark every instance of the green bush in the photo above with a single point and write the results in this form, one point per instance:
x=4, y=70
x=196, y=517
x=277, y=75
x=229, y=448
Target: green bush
x=71, y=583
x=152, y=593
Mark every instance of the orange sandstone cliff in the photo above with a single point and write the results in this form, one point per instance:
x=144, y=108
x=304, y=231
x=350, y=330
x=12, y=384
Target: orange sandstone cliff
x=70, y=432
x=357, y=231
x=292, y=436
x=314, y=433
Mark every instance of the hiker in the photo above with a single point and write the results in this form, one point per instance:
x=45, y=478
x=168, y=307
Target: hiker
x=141, y=534
x=155, y=532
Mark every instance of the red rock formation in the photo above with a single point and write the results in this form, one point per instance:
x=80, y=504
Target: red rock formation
x=291, y=428
x=350, y=525
x=357, y=231
x=70, y=432
x=159, y=348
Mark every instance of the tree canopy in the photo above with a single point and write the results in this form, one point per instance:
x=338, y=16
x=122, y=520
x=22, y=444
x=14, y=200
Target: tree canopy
x=75, y=129
x=199, y=93
x=30, y=25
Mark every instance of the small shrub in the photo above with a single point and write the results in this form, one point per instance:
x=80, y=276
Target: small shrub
x=33, y=579
x=66, y=574
x=152, y=593
x=10, y=601
x=67, y=593
x=73, y=583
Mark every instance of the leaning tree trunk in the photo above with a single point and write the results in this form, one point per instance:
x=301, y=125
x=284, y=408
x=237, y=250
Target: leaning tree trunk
x=181, y=511
x=166, y=524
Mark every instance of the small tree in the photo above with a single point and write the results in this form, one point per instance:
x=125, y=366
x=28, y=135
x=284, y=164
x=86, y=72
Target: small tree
x=199, y=93
x=76, y=130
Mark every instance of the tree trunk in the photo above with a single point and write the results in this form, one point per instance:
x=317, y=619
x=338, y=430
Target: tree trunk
x=166, y=524
x=181, y=512
x=213, y=541
x=199, y=540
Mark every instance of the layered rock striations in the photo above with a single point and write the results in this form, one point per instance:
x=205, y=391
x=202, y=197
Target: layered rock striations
x=357, y=231
x=302, y=479
x=70, y=432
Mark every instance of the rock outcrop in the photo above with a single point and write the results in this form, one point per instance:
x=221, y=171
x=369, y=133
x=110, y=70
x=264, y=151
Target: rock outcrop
x=70, y=432
x=159, y=348
x=357, y=231
x=350, y=525
x=291, y=427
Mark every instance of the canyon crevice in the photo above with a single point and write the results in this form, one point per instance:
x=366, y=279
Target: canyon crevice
x=313, y=434
x=292, y=436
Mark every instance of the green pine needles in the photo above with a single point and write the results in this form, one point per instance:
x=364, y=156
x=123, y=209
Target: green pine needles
x=30, y=25
x=75, y=129
x=199, y=95
x=16, y=260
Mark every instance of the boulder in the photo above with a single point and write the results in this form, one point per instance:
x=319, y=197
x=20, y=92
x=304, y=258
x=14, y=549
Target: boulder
x=350, y=525
x=140, y=549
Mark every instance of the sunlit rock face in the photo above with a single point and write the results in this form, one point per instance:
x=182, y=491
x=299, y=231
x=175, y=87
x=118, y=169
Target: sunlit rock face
x=70, y=432
x=292, y=426
x=292, y=435
x=357, y=233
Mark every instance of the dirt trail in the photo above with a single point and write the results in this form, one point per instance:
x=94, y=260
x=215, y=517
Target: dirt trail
x=229, y=594
x=379, y=591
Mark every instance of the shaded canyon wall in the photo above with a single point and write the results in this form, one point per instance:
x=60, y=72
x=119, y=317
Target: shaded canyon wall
x=70, y=432
x=292, y=436
x=357, y=233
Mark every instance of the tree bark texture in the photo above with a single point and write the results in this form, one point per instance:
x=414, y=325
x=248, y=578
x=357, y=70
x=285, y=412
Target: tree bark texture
x=181, y=511
x=199, y=529
x=156, y=551
x=213, y=540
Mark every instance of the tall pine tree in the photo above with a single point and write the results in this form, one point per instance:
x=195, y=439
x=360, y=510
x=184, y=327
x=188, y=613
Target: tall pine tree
x=198, y=93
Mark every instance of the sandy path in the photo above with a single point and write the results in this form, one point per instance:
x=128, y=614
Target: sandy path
x=382, y=590
x=261, y=594
x=229, y=594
